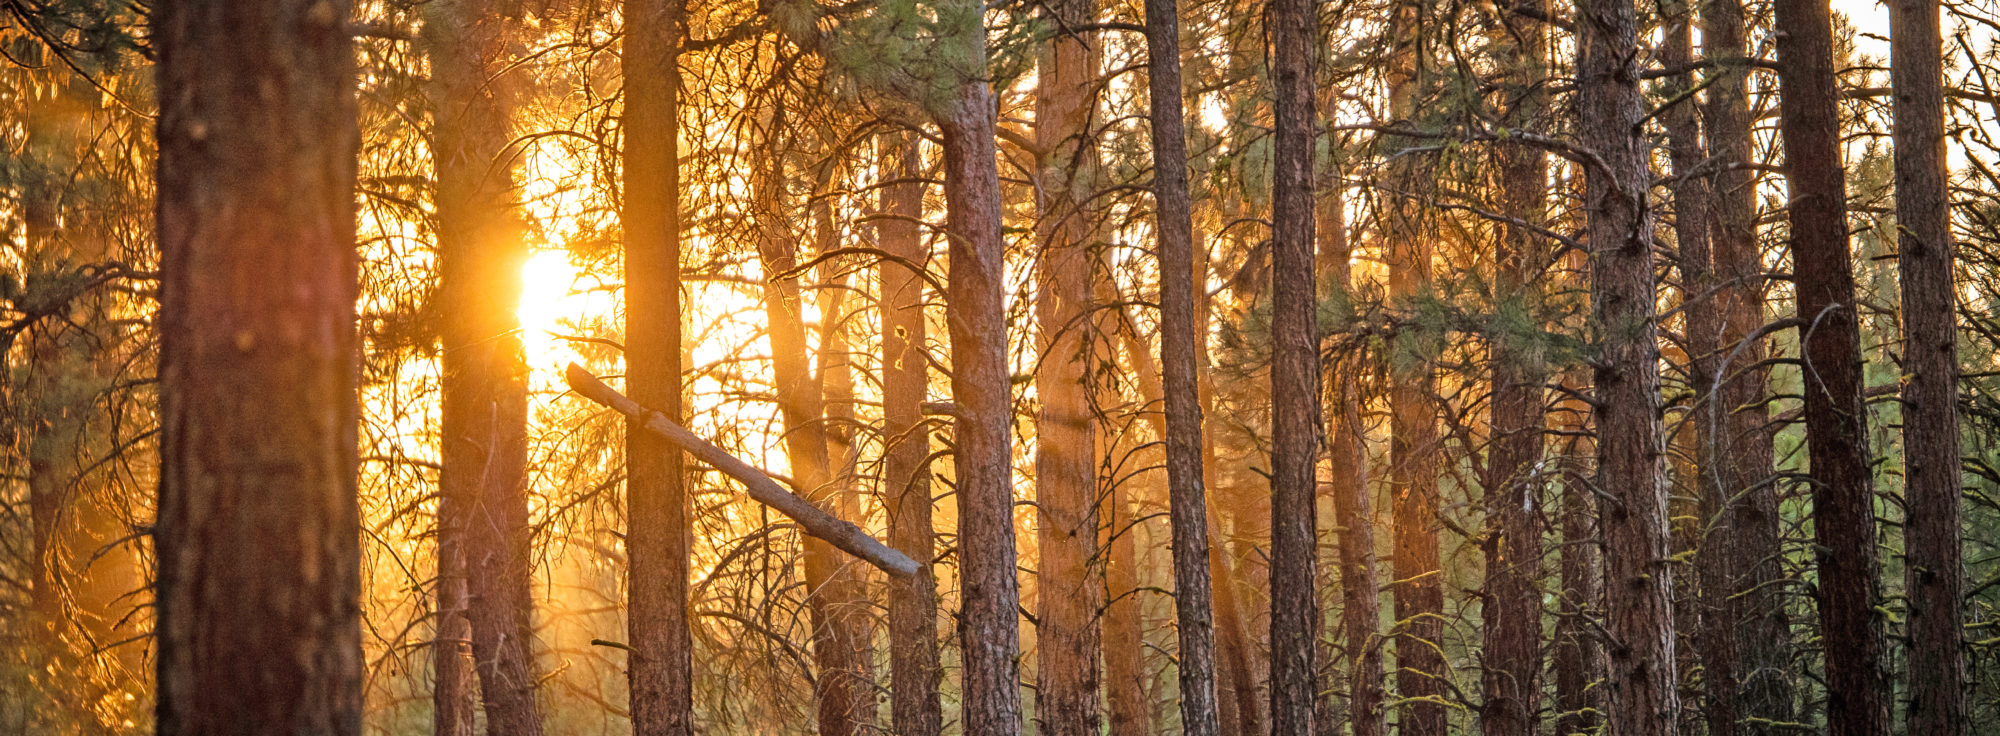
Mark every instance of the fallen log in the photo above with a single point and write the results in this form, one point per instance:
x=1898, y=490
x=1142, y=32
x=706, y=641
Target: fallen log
x=846, y=536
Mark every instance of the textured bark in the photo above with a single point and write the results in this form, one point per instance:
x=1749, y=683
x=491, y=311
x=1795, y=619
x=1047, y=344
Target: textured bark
x=483, y=507
x=454, y=689
x=1743, y=444
x=1847, y=595
x=1578, y=657
x=258, y=534
x=1179, y=344
x=1237, y=713
x=1070, y=587
x=1934, y=568
x=1643, y=699
x=913, y=645
x=839, y=652
x=1515, y=485
x=659, y=670
x=1295, y=411
x=1713, y=607
x=989, y=630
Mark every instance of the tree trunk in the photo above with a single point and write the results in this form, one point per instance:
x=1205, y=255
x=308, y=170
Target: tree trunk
x=1579, y=662
x=989, y=631
x=1352, y=502
x=1070, y=589
x=843, y=497
x=483, y=507
x=1122, y=453
x=1295, y=411
x=1713, y=605
x=51, y=415
x=1836, y=421
x=837, y=648
x=913, y=648
x=1418, y=593
x=1515, y=484
x=1743, y=443
x=1934, y=569
x=1124, y=632
x=659, y=669
x=258, y=535
x=1179, y=344
x=1626, y=394
x=454, y=696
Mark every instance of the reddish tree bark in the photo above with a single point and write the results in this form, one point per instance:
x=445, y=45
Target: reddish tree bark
x=1643, y=699
x=1743, y=444
x=1578, y=658
x=1848, y=597
x=1179, y=344
x=1515, y=485
x=989, y=632
x=1418, y=594
x=1934, y=568
x=913, y=646
x=483, y=507
x=838, y=648
x=659, y=670
x=1070, y=587
x=1125, y=680
x=258, y=535
x=1351, y=500
x=1295, y=411
x=1713, y=607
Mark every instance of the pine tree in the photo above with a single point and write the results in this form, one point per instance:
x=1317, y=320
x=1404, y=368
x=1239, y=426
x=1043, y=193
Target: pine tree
x=1934, y=568
x=660, y=671
x=259, y=524
x=1836, y=420
x=1643, y=696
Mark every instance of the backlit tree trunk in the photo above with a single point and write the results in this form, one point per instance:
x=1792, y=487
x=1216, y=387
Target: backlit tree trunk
x=913, y=646
x=1352, y=501
x=1126, y=703
x=483, y=507
x=1626, y=393
x=1934, y=569
x=1714, y=629
x=659, y=668
x=837, y=649
x=1070, y=586
x=1413, y=453
x=258, y=535
x=1578, y=658
x=843, y=497
x=1847, y=595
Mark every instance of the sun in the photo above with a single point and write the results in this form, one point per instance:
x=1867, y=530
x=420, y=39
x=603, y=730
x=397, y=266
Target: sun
x=549, y=299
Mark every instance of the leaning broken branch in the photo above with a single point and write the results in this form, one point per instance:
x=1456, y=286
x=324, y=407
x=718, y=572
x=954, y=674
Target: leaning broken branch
x=848, y=537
